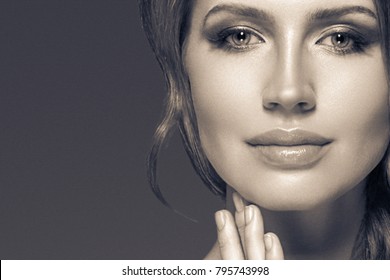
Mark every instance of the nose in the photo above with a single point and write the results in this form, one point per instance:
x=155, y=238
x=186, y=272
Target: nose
x=289, y=89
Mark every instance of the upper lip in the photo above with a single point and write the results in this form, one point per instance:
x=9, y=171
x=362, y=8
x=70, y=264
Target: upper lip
x=282, y=137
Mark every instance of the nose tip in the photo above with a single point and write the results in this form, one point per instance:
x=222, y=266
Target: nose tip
x=290, y=83
x=300, y=99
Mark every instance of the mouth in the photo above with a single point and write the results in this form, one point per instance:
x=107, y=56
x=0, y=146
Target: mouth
x=290, y=149
x=281, y=137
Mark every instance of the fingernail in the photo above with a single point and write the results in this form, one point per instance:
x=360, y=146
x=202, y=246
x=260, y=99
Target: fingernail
x=238, y=202
x=220, y=220
x=268, y=240
x=248, y=214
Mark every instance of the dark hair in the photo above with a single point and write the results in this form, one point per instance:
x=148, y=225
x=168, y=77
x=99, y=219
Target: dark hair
x=166, y=24
x=373, y=239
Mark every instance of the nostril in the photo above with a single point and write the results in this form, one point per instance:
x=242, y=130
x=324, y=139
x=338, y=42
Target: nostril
x=306, y=106
x=289, y=98
x=302, y=106
x=270, y=105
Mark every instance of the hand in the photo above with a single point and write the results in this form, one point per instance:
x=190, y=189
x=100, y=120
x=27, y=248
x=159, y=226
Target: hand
x=243, y=237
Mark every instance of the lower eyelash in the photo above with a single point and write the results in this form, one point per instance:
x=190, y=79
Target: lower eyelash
x=221, y=39
x=358, y=47
x=359, y=44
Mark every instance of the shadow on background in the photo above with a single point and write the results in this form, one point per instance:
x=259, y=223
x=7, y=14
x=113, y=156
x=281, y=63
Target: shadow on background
x=80, y=95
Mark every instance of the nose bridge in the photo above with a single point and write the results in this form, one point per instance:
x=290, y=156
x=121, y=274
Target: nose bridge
x=289, y=64
x=289, y=88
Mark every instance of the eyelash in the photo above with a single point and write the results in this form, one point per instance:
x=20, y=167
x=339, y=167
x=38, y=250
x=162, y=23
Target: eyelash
x=357, y=43
x=222, y=37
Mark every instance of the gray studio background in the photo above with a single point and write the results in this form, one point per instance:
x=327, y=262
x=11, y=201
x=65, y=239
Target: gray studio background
x=80, y=95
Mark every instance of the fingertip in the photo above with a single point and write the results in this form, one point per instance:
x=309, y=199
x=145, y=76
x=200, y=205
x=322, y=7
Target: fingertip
x=254, y=233
x=220, y=219
x=228, y=237
x=274, y=249
x=253, y=213
x=274, y=237
x=268, y=241
x=238, y=202
x=249, y=212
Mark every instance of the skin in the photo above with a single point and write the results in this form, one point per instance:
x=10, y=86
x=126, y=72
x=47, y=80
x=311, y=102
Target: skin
x=290, y=73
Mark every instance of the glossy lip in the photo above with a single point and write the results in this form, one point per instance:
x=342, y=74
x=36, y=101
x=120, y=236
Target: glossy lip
x=290, y=149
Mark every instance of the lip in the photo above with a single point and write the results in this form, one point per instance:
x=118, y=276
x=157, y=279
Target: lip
x=290, y=149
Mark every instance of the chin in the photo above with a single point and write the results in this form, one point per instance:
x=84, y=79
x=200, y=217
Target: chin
x=285, y=203
x=294, y=199
x=288, y=205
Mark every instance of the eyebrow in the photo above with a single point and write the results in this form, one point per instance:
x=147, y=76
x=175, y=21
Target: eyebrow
x=322, y=14
x=240, y=10
x=339, y=12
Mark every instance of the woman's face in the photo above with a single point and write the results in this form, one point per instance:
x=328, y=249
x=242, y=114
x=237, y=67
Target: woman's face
x=291, y=96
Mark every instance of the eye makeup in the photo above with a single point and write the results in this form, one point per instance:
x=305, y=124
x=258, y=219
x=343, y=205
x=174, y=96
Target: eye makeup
x=342, y=31
x=345, y=40
x=236, y=38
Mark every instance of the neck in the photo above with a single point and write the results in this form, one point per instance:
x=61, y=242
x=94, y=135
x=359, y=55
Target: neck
x=325, y=232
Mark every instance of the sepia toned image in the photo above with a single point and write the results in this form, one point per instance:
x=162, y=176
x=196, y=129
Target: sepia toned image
x=202, y=129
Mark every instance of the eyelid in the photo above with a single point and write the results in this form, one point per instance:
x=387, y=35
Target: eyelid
x=226, y=41
x=231, y=30
x=339, y=29
x=366, y=34
x=242, y=27
x=215, y=34
x=360, y=41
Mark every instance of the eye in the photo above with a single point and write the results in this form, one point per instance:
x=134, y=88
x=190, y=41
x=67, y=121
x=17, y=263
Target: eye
x=338, y=40
x=242, y=38
x=239, y=38
x=344, y=42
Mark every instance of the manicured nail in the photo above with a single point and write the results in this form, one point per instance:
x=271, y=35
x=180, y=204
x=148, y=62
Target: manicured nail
x=220, y=220
x=248, y=214
x=238, y=202
x=268, y=241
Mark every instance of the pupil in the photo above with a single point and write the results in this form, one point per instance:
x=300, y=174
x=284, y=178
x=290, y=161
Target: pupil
x=340, y=39
x=241, y=36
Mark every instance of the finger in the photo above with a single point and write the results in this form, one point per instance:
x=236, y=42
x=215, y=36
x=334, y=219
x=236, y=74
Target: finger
x=240, y=218
x=239, y=201
x=273, y=247
x=254, y=232
x=228, y=238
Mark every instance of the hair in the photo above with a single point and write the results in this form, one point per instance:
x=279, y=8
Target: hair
x=166, y=24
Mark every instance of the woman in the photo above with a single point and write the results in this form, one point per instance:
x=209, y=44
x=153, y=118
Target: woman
x=283, y=107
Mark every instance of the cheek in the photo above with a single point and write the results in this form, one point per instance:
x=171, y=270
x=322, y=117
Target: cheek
x=227, y=103
x=227, y=97
x=356, y=107
x=355, y=101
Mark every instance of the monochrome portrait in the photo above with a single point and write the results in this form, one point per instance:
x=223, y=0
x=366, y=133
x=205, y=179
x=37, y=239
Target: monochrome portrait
x=195, y=129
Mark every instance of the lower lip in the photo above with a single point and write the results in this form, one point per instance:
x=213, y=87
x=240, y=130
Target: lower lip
x=292, y=157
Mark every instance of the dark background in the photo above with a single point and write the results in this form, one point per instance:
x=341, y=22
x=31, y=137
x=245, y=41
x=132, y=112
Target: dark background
x=80, y=96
